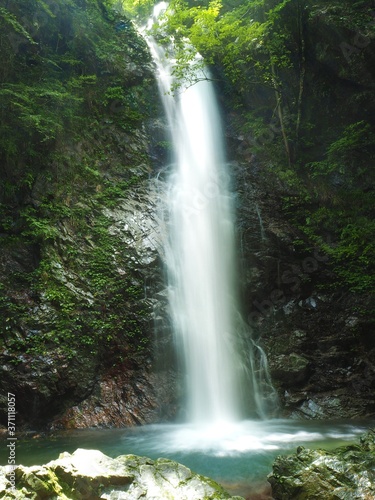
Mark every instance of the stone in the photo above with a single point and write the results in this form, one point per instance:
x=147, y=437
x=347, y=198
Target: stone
x=311, y=410
x=289, y=368
x=89, y=474
x=346, y=473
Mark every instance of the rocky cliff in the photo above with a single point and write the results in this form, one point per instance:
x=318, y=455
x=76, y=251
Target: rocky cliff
x=305, y=204
x=319, y=341
x=81, y=279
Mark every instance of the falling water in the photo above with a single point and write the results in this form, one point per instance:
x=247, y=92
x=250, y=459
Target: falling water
x=200, y=256
x=261, y=226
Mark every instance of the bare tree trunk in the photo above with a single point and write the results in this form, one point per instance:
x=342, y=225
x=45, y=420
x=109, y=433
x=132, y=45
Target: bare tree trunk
x=280, y=114
x=302, y=73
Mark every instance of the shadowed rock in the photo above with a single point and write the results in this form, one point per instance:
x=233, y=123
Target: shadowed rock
x=91, y=475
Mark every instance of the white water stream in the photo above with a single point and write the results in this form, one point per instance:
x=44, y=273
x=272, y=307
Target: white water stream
x=221, y=373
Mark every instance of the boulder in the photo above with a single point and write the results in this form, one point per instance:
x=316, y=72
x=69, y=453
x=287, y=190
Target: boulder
x=91, y=475
x=345, y=473
x=289, y=368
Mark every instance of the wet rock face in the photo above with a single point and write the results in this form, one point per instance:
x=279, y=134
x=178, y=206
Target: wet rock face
x=81, y=286
x=319, y=344
x=114, y=383
x=339, y=377
x=45, y=384
x=123, y=399
x=92, y=475
x=289, y=369
x=345, y=473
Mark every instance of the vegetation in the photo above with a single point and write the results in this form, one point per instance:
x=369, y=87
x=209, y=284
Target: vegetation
x=70, y=103
x=300, y=76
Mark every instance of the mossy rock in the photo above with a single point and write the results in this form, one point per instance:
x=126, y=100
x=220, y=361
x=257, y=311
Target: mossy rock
x=89, y=474
x=346, y=473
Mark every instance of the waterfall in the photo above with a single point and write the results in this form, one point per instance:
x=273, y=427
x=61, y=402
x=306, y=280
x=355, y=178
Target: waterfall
x=220, y=376
x=261, y=227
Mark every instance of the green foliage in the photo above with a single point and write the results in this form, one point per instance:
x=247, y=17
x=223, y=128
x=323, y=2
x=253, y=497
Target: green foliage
x=111, y=193
x=140, y=9
x=69, y=97
x=349, y=155
x=341, y=205
x=40, y=111
x=56, y=66
x=246, y=39
x=10, y=19
x=351, y=249
x=38, y=228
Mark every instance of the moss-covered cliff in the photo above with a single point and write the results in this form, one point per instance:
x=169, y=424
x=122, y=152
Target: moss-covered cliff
x=77, y=229
x=304, y=163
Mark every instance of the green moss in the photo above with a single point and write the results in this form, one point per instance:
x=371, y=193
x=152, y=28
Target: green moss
x=332, y=204
x=71, y=105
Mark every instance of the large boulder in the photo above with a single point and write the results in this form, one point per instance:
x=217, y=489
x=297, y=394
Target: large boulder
x=289, y=368
x=346, y=473
x=91, y=475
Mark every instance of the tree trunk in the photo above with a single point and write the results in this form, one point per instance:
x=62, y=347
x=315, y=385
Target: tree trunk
x=280, y=114
x=302, y=72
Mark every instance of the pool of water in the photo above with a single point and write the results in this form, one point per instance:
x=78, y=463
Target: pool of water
x=238, y=455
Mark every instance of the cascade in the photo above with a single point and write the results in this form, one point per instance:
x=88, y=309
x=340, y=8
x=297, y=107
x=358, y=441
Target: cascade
x=261, y=227
x=223, y=382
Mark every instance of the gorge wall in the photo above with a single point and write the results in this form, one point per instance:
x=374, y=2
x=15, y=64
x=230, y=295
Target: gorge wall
x=319, y=342
x=80, y=237
x=304, y=211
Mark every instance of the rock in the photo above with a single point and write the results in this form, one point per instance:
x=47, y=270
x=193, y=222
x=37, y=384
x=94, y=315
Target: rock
x=290, y=304
x=310, y=409
x=89, y=474
x=137, y=223
x=346, y=473
x=61, y=383
x=123, y=399
x=290, y=368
